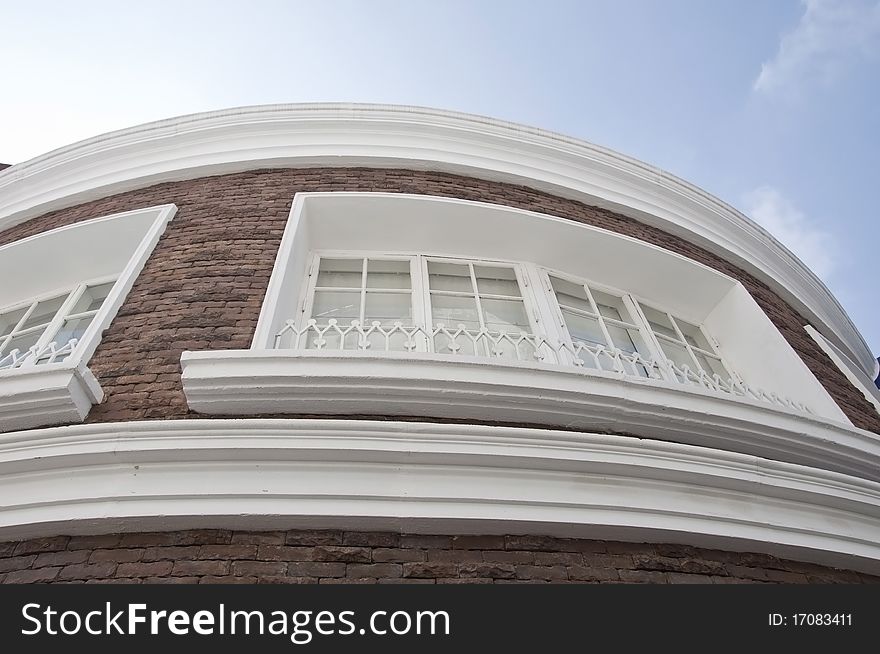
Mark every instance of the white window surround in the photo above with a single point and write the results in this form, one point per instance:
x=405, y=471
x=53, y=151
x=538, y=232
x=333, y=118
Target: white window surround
x=267, y=380
x=853, y=373
x=107, y=249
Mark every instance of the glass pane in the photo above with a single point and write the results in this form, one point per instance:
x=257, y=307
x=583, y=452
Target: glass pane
x=628, y=340
x=340, y=273
x=659, y=322
x=493, y=280
x=449, y=277
x=452, y=311
x=388, y=308
x=44, y=312
x=584, y=329
x=92, y=298
x=74, y=328
x=388, y=274
x=505, y=316
x=571, y=295
x=712, y=365
x=345, y=306
x=22, y=343
x=676, y=353
x=9, y=320
x=693, y=335
x=611, y=306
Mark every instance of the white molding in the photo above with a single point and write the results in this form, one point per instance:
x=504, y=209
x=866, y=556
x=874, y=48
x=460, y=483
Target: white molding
x=408, y=137
x=253, y=382
x=417, y=477
x=47, y=394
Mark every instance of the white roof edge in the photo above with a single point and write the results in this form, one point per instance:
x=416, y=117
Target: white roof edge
x=392, y=135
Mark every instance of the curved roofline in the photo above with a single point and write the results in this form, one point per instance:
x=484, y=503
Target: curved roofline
x=342, y=134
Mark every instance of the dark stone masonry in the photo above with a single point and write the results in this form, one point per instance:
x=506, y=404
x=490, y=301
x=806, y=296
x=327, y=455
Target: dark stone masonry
x=330, y=557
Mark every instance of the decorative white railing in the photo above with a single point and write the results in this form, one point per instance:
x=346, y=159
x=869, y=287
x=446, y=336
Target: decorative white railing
x=520, y=346
x=49, y=353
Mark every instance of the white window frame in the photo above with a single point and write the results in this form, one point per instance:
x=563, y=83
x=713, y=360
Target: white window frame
x=37, y=393
x=35, y=353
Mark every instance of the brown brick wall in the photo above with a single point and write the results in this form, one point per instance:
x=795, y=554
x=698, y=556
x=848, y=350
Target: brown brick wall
x=203, y=285
x=327, y=557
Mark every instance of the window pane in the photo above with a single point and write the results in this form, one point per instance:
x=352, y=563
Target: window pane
x=388, y=274
x=677, y=354
x=693, y=335
x=388, y=308
x=712, y=365
x=659, y=322
x=493, y=280
x=449, y=277
x=628, y=340
x=342, y=305
x=22, y=343
x=505, y=316
x=340, y=273
x=452, y=311
x=71, y=329
x=92, y=298
x=611, y=306
x=571, y=295
x=583, y=329
x=9, y=320
x=44, y=312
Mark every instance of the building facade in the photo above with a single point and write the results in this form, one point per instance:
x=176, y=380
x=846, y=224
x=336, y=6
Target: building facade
x=357, y=343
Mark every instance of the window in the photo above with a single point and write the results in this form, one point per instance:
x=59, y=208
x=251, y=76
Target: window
x=47, y=330
x=485, y=308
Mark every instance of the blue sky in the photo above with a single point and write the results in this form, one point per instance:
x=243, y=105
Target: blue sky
x=772, y=106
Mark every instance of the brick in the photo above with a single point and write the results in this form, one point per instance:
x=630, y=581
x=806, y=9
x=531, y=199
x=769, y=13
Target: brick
x=116, y=555
x=261, y=538
x=478, y=542
x=141, y=569
x=170, y=553
x=342, y=554
x=421, y=541
x=356, y=570
x=401, y=580
x=430, y=569
x=587, y=573
x=315, y=569
x=87, y=570
x=17, y=563
x=259, y=568
x=284, y=553
x=313, y=538
x=558, y=558
x=371, y=539
x=7, y=548
x=643, y=577
x=93, y=542
x=61, y=558
x=228, y=580
x=170, y=580
x=228, y=551
x=508, y=557
x=488, y=570
x=785, y=577
x=39, y=545
x=455, y=556
x=397, y=555
x=42, y=575
x=683, y=578
x=185, y=568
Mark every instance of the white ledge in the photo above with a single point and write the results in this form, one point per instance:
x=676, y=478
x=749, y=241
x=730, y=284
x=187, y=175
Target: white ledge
x=409, y=137
x=47, y=394
x=416, y=477
x=265, y=382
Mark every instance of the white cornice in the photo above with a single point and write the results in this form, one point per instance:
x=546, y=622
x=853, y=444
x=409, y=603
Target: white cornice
x=47, y=394
x=396, y=136
x=253, y=382
x=417, y=477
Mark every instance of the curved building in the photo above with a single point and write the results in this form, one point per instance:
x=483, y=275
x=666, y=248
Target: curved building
x=373, y=343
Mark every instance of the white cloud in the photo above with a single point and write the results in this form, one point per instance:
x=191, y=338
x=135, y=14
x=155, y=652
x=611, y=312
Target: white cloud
x=831, y=35
x=815, y=247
